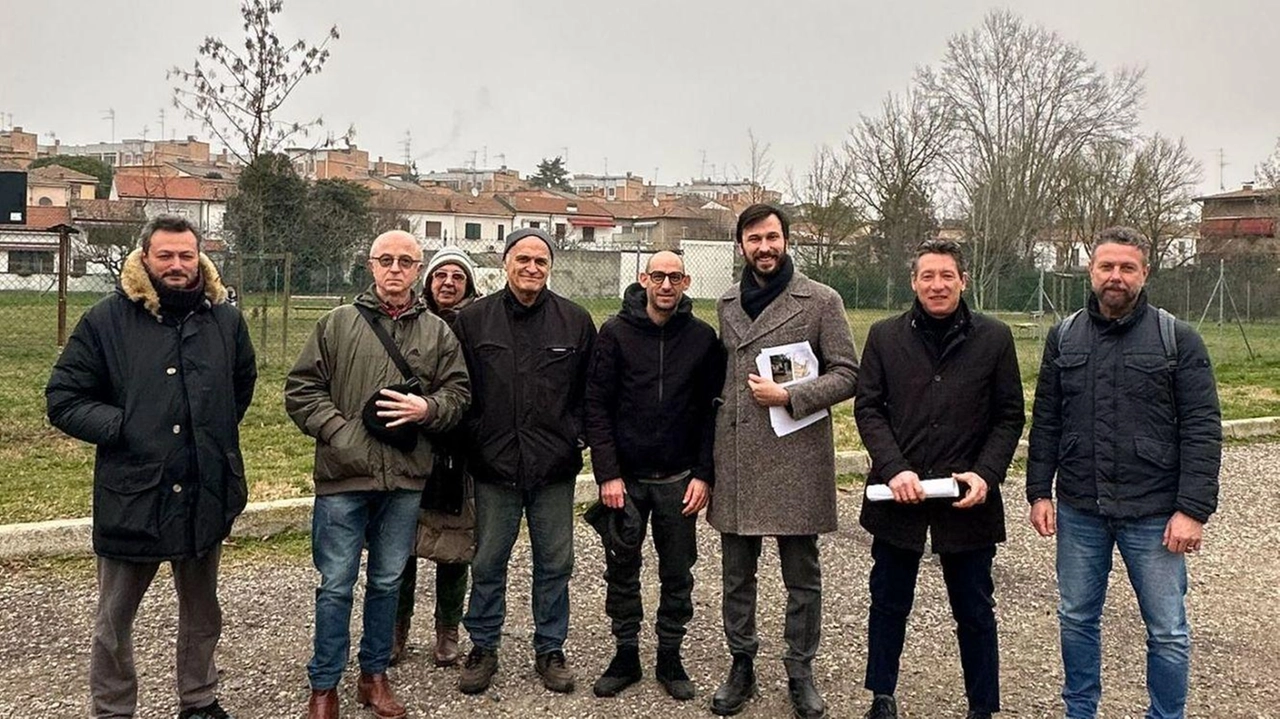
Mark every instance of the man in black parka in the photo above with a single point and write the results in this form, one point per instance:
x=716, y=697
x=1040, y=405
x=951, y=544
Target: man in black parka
x=158, y=375
x=939, y=396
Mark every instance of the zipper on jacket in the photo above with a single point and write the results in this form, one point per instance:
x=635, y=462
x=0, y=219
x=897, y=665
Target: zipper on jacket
x=662, y=351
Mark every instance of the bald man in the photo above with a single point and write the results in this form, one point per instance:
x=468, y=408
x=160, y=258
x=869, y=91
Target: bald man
x=650, y=422
x=370, y=466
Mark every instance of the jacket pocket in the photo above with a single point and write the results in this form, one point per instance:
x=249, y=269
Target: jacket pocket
x=1161, y=454
x=127, y=501
x=1072, y=373
x=346, y=455
x=237, y=489
x=1146, y=376
x=556, y=369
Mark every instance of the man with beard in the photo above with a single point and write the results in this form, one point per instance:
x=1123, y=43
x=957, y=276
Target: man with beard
x=767, y=485
x=158, y=375
x=450, y=287
x=655, y=373
x=1126, y=416
x=527, y=350
x=939, y=395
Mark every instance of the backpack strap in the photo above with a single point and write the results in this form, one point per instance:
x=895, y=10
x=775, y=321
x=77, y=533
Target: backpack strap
x=1168, y=338
x=1067, y=323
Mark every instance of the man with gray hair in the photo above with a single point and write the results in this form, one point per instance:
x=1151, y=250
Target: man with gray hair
x=158, y=375
x=374, y=379
x=1126, y=417
x=527, y=350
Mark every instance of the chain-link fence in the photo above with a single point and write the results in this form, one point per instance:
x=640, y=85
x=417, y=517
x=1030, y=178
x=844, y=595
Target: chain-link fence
x=47, y=282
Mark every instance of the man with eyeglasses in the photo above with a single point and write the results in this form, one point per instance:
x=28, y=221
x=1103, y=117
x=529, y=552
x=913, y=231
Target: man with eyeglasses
x=939, y=395
x=527, y=350
x=370, y=467
x=654, y=374
x=451, y=286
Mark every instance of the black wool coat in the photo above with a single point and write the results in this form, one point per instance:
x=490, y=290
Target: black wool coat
x=960, y=410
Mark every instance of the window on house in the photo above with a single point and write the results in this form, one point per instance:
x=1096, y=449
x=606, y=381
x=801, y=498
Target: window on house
x=433, y=229
x=31, y=262
x=534, y=225
x=44, y=202
x=502, y=232
x=79, y=266
x=472, y=231
x=560, y=231
x=588, y=234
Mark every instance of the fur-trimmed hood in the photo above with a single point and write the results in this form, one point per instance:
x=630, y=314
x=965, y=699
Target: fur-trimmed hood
x=135, y=283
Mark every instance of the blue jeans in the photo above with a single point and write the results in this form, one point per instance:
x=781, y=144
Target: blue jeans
x=549, y=510
x=342, y=525
x=1159, y=578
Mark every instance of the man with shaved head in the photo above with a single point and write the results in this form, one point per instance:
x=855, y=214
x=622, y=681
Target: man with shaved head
x=654, y=374
x=373, y=456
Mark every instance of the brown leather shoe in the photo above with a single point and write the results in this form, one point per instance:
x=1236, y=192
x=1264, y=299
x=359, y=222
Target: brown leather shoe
x=323, y=704
x=446, y=651
x=374, y=691
x=399, y=641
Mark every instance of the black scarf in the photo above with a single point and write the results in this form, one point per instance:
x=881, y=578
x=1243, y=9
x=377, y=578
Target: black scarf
x=756, y=297
x=179, y=303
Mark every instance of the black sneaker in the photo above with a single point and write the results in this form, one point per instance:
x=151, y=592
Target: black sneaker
x=883, y=706
x=738, y=688
x=477, y=673
x=211, y=711
x=671, y=674
x=554, y=671
x=623, y=671
x=975, y=714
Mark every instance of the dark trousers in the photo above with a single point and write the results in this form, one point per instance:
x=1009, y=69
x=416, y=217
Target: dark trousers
x=802, y=575
x=675, y=540
x=972, y=596
x=113, y=680
x=451, y=591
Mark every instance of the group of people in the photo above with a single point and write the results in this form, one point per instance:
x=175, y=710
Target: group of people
x=443, y=418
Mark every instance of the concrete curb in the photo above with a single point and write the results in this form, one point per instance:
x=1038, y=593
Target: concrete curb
x=265, y=519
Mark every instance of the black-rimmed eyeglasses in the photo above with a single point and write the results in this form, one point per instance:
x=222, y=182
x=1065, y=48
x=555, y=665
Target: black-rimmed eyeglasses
x=406, y=262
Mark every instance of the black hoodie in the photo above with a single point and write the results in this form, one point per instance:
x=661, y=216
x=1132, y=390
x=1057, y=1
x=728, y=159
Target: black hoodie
x=649, y=393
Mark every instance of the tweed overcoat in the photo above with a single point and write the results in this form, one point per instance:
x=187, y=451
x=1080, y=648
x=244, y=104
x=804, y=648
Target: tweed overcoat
x=766, y=484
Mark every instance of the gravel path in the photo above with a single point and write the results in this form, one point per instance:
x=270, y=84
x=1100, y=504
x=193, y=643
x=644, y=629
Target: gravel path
x=46, y=611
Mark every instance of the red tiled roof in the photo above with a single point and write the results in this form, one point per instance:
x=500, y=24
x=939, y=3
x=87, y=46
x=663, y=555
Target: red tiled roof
x=58, y=173
x=107, y=211
x=173, y=188
x=41, y=219
x=548, y=204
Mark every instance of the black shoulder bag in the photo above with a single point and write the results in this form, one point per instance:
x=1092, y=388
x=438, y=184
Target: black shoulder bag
x=403, y=437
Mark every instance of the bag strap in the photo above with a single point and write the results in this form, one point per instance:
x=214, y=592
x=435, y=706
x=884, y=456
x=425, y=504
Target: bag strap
x=388, y=344
x=1169, y=339
x=1065, y=327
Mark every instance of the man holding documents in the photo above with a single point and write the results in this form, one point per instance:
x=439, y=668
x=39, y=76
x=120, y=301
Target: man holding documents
x=939, y=404
x=1127, y=418
x=772, y=484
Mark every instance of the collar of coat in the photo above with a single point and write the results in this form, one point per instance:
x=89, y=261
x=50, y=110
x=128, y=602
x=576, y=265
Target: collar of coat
x=776, y=314
x=135, y=283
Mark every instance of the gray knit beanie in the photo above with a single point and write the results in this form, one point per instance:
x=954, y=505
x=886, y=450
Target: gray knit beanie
x=520, y=234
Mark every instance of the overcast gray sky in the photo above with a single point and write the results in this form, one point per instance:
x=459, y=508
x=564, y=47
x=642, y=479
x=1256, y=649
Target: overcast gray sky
x=645, y=84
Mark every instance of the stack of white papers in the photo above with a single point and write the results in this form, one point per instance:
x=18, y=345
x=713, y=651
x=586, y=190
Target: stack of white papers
x=789, y=365
x=940, y=487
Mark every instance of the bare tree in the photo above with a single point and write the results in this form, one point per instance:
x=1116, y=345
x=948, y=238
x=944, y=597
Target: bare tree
x=892, y=157
x=235, y=90
x=1024, y=102
x=1166, y=176
x=829, y=218
x=760, y=166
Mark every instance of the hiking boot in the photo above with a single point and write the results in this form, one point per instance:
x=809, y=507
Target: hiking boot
x=623, y=671
x=554, y=671
x=446, y=649
x=399, y=642
x=883, y=706
x=806, y=702
x=209, y=711
x=737, y=689
x=672, y=676
x=477, y=673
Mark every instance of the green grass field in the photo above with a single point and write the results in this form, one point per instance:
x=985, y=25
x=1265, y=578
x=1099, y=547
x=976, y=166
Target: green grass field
x=45, y=475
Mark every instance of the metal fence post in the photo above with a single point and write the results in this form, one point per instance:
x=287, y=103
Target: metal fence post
x=64, y=269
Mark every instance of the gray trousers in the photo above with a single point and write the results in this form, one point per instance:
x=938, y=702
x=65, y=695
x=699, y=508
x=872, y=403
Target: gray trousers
x=802, y=575
x=113, y=682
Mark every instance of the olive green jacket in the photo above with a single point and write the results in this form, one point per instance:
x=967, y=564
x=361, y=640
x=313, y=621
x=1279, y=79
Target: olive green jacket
x=343, y=364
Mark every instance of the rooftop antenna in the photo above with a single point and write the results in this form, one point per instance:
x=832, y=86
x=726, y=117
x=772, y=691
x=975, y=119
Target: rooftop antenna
x=407, y=144
x=606, y=166
x=1222, y=163
x=502, y=159
x=564, y=154
x=110, y=114
x=162, y=123
x=702, y=169
x=485, y=165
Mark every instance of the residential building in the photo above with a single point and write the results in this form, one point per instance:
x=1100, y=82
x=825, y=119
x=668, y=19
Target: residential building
x=462, y=179
x=449, y=219
x=624, y=188
x=138, y=152
x=666, y=225
x=57, y=186
x=735, y=191
x=199, y=199
x=571, y=221
x=17, y=148
x=330, y=163
x=1240, y=222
